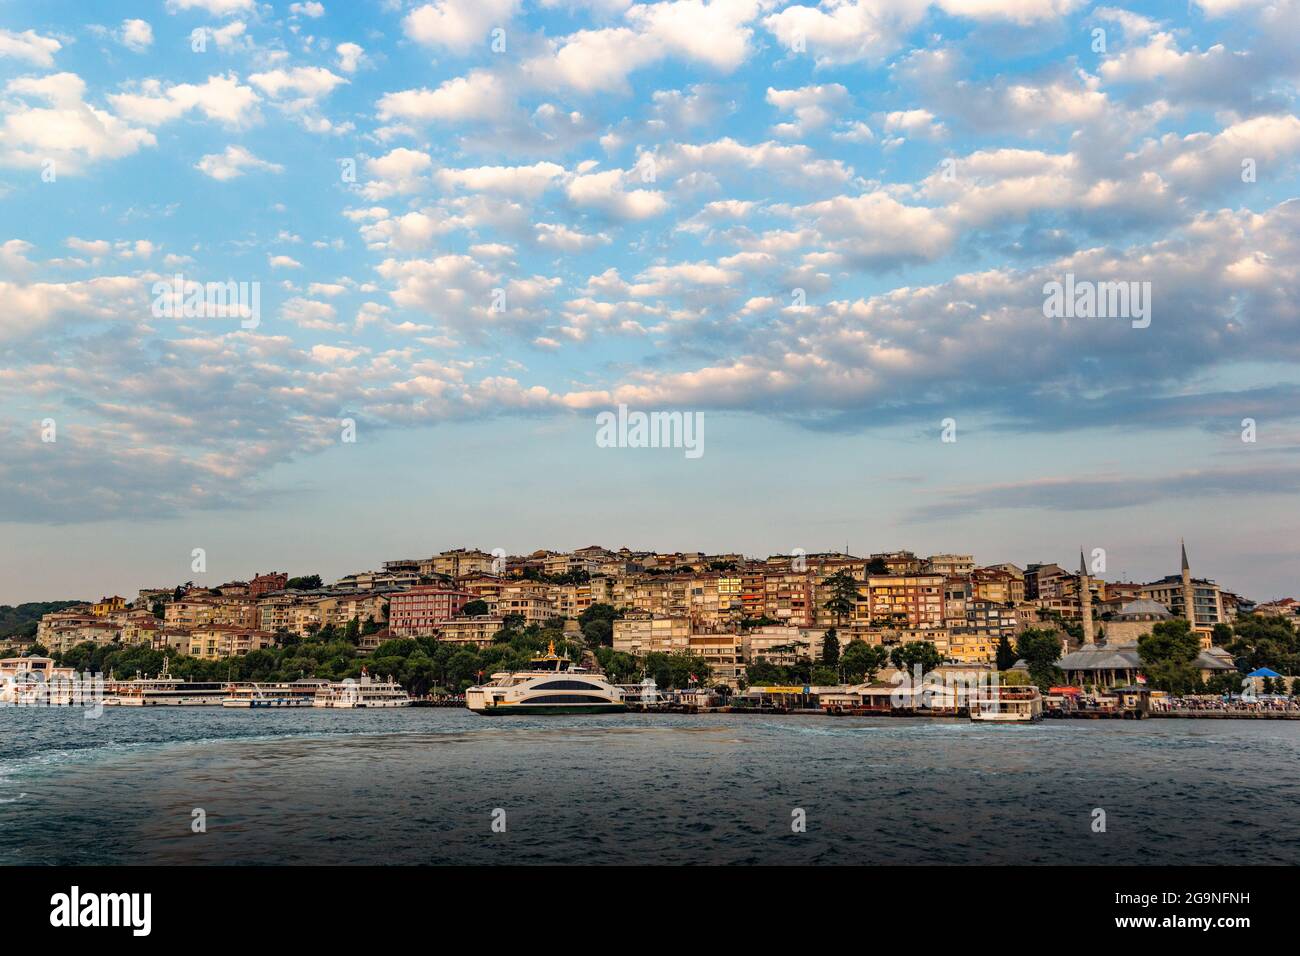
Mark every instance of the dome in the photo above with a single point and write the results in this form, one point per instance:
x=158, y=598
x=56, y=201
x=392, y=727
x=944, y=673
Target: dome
x=1143, y=609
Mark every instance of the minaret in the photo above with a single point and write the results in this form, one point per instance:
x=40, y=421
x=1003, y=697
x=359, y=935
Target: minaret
x=1189, y=593
x=1085, y=600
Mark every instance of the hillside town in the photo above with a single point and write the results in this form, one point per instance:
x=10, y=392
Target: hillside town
x=726, y=612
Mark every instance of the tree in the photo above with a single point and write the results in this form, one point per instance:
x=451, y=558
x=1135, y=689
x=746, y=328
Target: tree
x=907, y=657
x=475, y=608
x=1295, y=687
x=823, y=677
x=844, y=594
x=308, y=582
x=1168, y=656
x=831, y=648
x=1040, y=649
x=1006, y=654
x=1260, y=640
x=862, y=661
x=877, y=566
x=159, y=611
x=597, y=624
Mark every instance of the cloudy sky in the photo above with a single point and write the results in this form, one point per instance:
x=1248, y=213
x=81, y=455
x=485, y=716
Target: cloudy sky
x=476, y=224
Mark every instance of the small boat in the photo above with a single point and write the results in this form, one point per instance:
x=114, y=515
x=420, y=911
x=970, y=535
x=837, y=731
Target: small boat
x=353, y=694
x=1002, y=704
x=553, y=685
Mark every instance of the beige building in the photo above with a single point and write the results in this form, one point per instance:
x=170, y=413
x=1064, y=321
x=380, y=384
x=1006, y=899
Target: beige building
x=641, y=633
x=478, y=630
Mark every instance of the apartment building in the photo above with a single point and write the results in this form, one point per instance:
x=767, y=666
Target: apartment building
x=67, y=634
x=419, y=611
x=220, y=640
x=724, y=653
x=640, y=633
x=952, y=565
x=108, y=605
x=477, y=630
x=913, y=600
x=783, y=644
x=1207, y=599
x=531, y=600
x=996, y=585
x=458, y=562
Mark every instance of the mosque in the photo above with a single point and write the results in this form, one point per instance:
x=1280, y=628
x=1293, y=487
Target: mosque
x=1115, y=661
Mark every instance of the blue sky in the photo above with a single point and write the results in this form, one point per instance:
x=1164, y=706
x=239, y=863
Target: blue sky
x=826, y=228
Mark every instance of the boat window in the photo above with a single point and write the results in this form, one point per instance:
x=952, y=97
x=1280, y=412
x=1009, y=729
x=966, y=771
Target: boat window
x=566, y=699
x=565, y=685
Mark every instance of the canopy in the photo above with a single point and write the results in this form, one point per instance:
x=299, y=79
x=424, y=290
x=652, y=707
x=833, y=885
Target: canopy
x=1263, y=672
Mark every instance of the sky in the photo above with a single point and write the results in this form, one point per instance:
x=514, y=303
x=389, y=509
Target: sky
x=472, y=226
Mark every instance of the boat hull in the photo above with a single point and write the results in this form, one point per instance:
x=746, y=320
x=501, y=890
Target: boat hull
x=536, y=710
x=1006, y=718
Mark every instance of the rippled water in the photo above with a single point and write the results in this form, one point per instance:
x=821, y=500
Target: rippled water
x=420, y=786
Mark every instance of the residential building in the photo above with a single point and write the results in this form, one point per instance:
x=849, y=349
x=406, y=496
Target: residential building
x=477, y=630
x=912, y=599
x=418, y=612
x=266, y=583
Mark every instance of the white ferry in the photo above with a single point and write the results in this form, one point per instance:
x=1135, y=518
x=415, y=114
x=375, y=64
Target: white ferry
x=553, y=685
x=164, y=691
x=366, y=693
x=1002, y=704
x=300, y=693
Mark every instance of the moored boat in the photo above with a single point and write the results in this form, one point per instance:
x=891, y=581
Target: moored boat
x=552, y=685
x=1002, y=704
x=301, y=693
x=364, y=693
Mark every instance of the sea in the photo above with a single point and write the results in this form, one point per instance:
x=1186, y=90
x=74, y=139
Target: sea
x=211, y=785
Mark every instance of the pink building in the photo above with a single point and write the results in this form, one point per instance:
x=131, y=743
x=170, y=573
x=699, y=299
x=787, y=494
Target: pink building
x=418, y=612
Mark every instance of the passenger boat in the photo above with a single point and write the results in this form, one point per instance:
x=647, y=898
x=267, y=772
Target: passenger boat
x=301, y=693
x=1001, y=704
x=351, y=694
x=164, y=691
x=553, y=685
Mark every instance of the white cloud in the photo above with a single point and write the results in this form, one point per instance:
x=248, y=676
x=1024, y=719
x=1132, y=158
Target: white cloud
x=283, y=262
x=311, y=8
x=525, y=181
x=813, y=107
x=607, y=192
x=457, y=25
x=29, y=46
x=234, y=162
x=67, y=131
x=479, y=96
x=217, y=8
x=350, y=56
x=221, y=98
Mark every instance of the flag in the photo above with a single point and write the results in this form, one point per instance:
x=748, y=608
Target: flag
x=1141, y=679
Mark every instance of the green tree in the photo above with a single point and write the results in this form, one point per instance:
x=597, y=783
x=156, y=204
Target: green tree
x=862, y=661
x=1006, y=654
x=1168, y=657
x=907, y=657
x=823, y=677
x=307, y=582
x=1040, y=648
x=475, y=608
x=844, y=594
x=831, y=648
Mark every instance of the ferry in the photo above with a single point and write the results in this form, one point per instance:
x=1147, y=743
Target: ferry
x=1001, y=704
x=301, y=693
x=367, y=693
x=164, y=691
x=553, y=685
